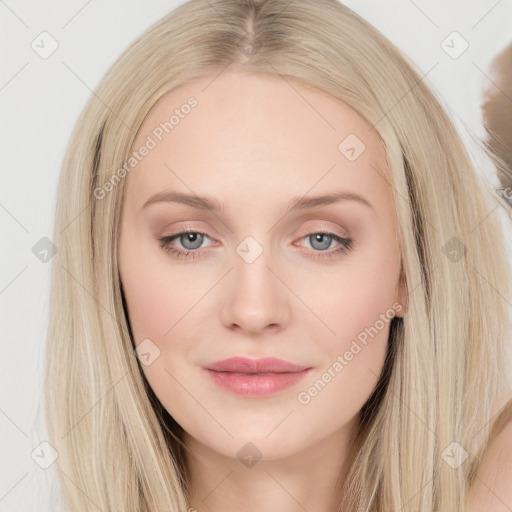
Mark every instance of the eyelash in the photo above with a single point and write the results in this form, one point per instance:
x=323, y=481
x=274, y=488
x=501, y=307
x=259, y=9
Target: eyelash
x=346, y=245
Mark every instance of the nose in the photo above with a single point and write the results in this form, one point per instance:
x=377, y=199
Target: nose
x=256, y=297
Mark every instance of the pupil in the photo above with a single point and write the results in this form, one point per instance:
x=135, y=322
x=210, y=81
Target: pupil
x=192, y=238
x=323, y=239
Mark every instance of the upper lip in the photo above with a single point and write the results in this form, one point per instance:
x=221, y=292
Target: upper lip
x=264, y=365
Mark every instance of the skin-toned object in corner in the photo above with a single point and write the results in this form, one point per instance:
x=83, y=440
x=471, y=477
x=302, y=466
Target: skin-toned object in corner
x=497, y=116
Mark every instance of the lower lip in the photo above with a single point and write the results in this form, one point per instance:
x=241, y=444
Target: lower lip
x=257, y=384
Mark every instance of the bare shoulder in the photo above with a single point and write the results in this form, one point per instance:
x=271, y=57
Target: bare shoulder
x=492, y=487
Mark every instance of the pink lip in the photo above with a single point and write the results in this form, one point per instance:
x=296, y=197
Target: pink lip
x=255, y=377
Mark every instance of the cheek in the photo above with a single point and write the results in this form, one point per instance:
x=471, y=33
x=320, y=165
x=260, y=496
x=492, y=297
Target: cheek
x=157, y=294
x=159, y=299
x=354, y=350
x=151, y=306
x=353, y=300
x=354, y=313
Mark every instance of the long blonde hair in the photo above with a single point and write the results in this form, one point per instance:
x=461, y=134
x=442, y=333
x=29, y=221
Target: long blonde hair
x=118, y=448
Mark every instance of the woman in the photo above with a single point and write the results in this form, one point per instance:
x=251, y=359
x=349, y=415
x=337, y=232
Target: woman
x=279, y=285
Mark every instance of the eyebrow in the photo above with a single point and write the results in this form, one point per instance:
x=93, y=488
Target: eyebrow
x=296, y=203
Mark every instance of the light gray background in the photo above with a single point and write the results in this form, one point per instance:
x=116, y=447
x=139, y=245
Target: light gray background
x=40, y=100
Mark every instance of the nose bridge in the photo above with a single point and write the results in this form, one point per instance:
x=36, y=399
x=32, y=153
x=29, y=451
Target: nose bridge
x=252, y=267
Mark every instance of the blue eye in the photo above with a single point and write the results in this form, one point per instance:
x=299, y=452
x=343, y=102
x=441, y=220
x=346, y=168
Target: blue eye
x=324, y=239
x=192, y=241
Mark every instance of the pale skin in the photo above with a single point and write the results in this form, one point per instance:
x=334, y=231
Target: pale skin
x=492, y=487
x=254, y=144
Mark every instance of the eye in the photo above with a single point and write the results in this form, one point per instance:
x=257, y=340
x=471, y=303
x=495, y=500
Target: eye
x=189, y=239
x=192, y=240
x=322, y=240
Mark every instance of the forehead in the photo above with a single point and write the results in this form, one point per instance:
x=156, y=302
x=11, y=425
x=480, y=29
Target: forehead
x=258, y=136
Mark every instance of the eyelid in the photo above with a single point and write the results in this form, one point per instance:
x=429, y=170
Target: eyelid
x=325, y=228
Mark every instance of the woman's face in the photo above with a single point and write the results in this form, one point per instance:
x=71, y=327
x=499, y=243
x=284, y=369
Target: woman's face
x=255, y=278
